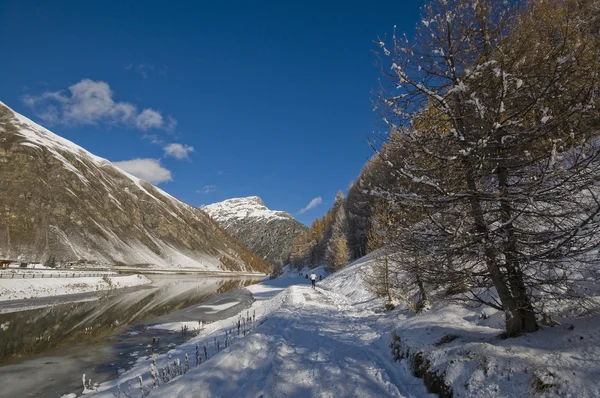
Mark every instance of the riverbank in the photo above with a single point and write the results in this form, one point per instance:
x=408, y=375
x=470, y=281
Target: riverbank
x=45, y=351
x=28, y=288
x=337, y=341
x=186, y=271
x=293, y=341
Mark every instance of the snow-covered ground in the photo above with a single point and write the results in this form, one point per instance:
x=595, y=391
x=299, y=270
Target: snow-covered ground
x=213, y=309
x=51, y=273
x=18, y=289
x=304, y=343
x=335, y=342
x=348, y=282
x=462, y=344
x=177, y=326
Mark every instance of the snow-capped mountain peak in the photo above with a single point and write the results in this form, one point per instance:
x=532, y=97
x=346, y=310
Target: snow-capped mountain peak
x=266, y=232
x=244, y=208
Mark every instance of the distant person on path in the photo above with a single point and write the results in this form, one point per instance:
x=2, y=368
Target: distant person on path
x=313, y=279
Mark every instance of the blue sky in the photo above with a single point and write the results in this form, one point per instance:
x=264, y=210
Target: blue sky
x=210, y=100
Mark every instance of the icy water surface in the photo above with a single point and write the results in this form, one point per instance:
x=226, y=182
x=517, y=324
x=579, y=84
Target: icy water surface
x=44, y=352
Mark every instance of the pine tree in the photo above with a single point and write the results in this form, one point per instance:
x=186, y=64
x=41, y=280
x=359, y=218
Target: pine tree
x=51, y=261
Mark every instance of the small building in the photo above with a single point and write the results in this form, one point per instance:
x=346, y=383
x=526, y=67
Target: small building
x=36, y=266
x=6, y=263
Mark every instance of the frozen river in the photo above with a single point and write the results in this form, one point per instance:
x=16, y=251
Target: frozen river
x=44, y=352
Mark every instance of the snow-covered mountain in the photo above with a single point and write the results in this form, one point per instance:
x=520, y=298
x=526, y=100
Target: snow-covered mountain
x=236, y=209
x=58, y=199
x=268, y=233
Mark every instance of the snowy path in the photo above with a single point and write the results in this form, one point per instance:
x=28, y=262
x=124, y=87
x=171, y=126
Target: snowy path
x=314, y=346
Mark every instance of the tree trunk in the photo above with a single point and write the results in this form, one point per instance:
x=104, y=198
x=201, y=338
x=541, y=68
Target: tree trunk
x=422, y=291
x=515, y=321
x=387, y=278
x=524, y=309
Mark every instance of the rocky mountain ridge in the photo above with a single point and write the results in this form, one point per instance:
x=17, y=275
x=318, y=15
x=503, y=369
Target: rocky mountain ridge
x=59, y=199
x=268, y=233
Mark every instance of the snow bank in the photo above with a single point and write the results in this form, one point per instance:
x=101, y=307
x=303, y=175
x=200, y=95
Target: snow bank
x=261, y=310
x=219, y=307
x=54, y=273
x=177, y=326
x=270, y=287
x=462, y=346
x=17, y=289
x=304, y=343
x=349, y=283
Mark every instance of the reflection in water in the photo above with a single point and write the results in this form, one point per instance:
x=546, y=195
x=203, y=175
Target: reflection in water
x=98, y=334
x=34, y=331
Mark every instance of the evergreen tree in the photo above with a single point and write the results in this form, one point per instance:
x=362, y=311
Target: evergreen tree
x=51, y=261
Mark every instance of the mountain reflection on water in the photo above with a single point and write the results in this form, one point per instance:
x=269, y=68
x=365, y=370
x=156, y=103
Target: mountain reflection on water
x=35, y=331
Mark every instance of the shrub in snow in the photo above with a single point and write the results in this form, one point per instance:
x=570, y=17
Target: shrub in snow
x=89, y=388
x=449, y=338
x=178, y=367
x=108, y=281
x=396, y=347
x=543, y=381
x=154, y=374
x=277, y=271
x=142, y=389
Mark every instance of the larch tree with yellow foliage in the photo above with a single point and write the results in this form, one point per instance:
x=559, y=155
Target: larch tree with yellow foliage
x=496, y=109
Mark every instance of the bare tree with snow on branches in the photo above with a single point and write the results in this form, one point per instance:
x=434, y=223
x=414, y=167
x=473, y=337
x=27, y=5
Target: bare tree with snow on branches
x=495, y=108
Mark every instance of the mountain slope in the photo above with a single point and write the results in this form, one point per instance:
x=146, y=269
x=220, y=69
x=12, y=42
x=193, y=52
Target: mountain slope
x=58, y=199
x=267, y=233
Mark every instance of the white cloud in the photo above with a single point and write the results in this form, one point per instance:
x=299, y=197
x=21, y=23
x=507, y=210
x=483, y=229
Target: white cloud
x=178, y=151
x=91, y=102
x=147, y=169
x=149, y=119
x=311, y=205
x=207, y=189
